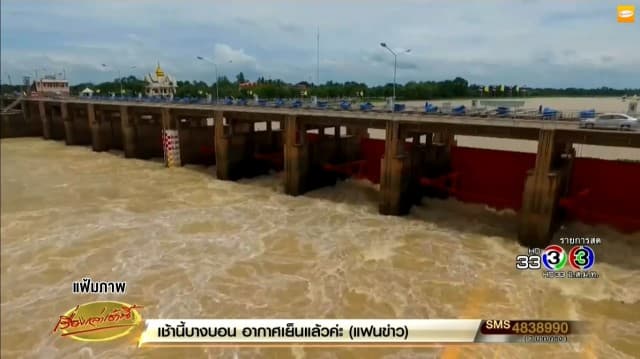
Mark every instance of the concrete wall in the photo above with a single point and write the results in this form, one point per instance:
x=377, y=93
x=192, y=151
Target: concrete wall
x=111, y=130
x=197, y=145
x=81, y=131
x=57, y=124
x=14, y=125
x=149, y=137
x=21, y=124
x=268, y=142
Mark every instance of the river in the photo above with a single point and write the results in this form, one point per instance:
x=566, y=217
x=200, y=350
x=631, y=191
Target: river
x=190, y=246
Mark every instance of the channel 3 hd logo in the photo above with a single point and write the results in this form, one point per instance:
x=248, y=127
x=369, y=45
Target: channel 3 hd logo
x=553, y=259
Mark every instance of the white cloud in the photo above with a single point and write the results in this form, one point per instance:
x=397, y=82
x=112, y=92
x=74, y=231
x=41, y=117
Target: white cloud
x=538, y=42
x=225, y=53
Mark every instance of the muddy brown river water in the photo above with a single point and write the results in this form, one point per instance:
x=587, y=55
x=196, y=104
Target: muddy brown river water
x=190, y=246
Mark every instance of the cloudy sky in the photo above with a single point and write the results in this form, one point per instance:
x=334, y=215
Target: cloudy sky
x=541, y=43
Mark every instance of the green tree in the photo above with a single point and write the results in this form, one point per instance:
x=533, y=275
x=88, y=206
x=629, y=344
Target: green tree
x=240, y=78
x=274, y=88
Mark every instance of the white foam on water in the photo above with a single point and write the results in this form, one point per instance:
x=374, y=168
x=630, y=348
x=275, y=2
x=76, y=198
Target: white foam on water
x=191, y=246
x=380, y=250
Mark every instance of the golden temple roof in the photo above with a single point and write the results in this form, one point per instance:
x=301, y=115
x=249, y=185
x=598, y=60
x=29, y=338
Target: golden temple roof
x=159, y=72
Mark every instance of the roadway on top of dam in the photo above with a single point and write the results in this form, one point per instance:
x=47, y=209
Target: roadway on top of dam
x=500, y=127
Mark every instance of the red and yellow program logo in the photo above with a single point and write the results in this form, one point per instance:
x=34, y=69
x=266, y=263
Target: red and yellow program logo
x=98, y=321
x=626, y=13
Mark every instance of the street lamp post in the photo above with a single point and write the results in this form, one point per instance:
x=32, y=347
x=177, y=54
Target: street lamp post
x=395, y=66
x=216, y=67
x=217, y=77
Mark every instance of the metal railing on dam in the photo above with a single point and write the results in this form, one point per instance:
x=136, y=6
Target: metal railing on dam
x=367, y=105
x=419, y=156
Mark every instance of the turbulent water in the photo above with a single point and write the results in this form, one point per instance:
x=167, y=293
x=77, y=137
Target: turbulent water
x=190, y=246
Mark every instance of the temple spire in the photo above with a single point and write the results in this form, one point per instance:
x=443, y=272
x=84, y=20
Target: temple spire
x=159, y=71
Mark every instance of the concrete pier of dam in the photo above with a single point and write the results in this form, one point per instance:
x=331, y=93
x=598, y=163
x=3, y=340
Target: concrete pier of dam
x=418, y=158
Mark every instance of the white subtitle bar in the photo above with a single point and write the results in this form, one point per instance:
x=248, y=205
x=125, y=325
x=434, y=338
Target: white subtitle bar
x=338, y=331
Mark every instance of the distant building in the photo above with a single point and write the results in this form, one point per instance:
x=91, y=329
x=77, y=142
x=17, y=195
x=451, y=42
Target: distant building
x=87, y=92
x=247, y=85
x=302, y=87
x=50, y=86
x=160, y=84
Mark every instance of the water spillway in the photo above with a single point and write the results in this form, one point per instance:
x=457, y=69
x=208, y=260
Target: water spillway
x=419, y=157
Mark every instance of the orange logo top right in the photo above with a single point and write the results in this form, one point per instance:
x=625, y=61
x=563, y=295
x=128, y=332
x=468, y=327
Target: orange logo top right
x=626, y=13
